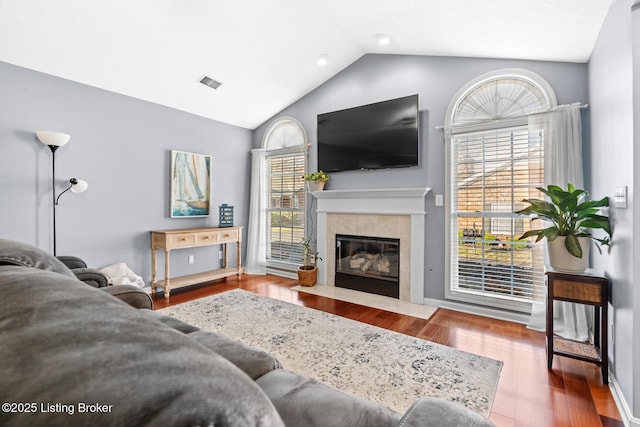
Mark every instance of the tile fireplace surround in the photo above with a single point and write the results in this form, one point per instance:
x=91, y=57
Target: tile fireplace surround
x=397, y=213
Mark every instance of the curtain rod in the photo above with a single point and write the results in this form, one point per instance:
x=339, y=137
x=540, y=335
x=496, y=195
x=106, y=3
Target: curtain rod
x=556, y=108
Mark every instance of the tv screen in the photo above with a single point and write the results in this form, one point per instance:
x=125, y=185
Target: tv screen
x=374, y=136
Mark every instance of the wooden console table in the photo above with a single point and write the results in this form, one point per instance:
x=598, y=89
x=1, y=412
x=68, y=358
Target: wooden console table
x=169, y=240
x=583, y=289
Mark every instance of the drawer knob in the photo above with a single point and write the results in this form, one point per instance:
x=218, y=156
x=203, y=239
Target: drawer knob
x=206, y=237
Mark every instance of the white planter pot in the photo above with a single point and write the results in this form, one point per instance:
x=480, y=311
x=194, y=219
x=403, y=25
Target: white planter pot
x=561, y=260
x=315, y=185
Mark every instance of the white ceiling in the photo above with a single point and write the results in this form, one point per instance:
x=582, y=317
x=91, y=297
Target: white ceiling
x=264, y=51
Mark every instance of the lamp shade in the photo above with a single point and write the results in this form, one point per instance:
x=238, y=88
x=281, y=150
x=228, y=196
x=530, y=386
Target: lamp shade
x=57, y=139
x=78, y=185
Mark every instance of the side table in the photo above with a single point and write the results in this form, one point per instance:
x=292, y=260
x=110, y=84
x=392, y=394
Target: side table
x=582, y=289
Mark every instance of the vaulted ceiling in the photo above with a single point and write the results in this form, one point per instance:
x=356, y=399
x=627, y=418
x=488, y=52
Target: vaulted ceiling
x=264, y=52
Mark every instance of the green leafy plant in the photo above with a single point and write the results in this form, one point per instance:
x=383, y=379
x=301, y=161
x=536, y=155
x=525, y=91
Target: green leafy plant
x=570, y=217
x=309, y=256
x=319, y=176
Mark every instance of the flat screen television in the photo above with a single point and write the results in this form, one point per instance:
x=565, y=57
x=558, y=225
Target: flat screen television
x=374, y=136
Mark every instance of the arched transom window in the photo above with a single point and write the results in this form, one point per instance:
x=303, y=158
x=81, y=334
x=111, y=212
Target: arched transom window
x=494, y=161
x=285, y=164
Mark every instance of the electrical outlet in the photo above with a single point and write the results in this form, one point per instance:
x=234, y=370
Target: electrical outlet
x=192, y=259
x=439, y=200
x=219, y=254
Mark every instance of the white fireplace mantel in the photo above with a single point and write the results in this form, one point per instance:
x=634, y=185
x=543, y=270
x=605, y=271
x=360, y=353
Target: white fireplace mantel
x=389, y=201
x=399, y=201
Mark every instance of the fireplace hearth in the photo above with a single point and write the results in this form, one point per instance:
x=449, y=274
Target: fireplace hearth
x=368, y=264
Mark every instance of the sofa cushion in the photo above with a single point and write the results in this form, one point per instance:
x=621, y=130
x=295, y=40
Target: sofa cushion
x=303, y=401
x=171, y=321
x=18, y=253
x=250, y=360
x=432, y=412
x=64, y=342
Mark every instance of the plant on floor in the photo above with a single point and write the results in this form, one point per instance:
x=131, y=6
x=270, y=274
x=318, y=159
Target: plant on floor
x=308, y=273
x=309, y=255
x=570, y=217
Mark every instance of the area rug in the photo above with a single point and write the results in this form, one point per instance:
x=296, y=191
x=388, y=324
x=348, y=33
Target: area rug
x=383, y=366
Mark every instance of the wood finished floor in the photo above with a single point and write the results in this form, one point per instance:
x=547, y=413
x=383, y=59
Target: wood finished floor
x=571, y=394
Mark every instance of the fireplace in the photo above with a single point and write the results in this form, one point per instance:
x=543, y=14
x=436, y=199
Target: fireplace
x=394, y=213
x=369, y=264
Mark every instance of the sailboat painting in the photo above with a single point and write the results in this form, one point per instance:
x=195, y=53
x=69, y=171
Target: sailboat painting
x=190, y=184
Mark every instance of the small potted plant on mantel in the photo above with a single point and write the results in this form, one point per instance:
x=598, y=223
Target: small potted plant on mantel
x=568, y=237
x=316, y=180
x=308, y=273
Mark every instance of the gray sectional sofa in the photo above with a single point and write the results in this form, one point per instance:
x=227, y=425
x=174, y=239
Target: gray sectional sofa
x=73, y=354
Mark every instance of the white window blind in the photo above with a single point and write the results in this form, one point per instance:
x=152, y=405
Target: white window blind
x=491, y=172
x=286, y=210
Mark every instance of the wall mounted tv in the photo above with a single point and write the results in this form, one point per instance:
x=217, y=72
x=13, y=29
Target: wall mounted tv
x=374, y=136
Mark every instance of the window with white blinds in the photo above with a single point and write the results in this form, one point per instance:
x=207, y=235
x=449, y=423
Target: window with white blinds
x=286, y=211
x=491, y=171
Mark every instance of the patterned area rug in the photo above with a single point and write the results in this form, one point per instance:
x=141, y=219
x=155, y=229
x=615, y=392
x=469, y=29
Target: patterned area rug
x=383, y=366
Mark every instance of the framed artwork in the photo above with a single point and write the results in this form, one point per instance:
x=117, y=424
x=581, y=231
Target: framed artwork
x=190, y=185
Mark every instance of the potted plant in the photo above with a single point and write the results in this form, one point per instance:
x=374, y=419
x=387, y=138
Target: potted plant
x=308, y=272
x=571, y=217
x=316, y=180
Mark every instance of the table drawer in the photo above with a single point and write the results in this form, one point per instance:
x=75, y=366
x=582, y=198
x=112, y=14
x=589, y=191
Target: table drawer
x=227, y=236
x=181, y=240
x=579, y=291
x=207, y=238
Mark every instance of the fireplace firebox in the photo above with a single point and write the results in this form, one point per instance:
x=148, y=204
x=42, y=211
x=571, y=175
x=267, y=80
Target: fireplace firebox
x=369, y=264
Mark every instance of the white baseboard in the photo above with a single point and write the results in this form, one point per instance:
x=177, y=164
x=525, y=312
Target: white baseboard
x=492, y=313
x=625, y=411
x=282, y=273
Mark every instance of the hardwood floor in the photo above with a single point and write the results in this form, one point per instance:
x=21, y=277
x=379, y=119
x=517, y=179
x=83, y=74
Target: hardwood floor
x=571, y=394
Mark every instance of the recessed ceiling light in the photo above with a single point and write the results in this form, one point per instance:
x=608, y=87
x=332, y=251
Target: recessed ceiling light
x=383, y=39
x=322, y=60
x=208, y=81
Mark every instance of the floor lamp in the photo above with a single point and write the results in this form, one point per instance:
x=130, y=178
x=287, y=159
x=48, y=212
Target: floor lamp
x=55, y=140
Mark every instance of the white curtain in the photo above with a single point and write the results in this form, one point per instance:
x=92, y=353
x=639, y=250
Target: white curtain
x=562, y=133
x=257, y=231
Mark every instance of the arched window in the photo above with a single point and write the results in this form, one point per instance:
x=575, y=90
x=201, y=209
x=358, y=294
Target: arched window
x=494, y=161
x=285, y=164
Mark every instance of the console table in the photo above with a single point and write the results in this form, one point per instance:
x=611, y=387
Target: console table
x=583, y=289
x=169, y=240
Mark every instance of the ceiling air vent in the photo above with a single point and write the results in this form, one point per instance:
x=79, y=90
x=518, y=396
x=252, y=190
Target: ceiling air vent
x=208, y=81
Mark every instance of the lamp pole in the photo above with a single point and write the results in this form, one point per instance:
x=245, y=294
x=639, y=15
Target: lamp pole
x=53, y=193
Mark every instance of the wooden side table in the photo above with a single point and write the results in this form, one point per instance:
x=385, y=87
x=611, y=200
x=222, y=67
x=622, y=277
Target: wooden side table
x=168, y=240
x=583, y=289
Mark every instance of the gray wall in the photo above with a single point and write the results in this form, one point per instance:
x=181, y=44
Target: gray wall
x=374, y=78
x=614, y=71
x=121, y=147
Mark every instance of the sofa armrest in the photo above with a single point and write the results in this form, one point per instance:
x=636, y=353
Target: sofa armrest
x=72, y=261
x=130, y=294
x=430, y=411
x=91, y=277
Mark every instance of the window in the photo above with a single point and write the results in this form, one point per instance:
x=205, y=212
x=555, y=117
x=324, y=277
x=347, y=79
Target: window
x=494, y=161
x=285, y=165
x=286, y=208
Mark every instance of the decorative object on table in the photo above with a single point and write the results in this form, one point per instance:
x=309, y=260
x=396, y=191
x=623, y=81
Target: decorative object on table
x=225, y=215
x=571, y=217
x=190, y=184
x=308, y=273
x=316, y=180
x=55, y=140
